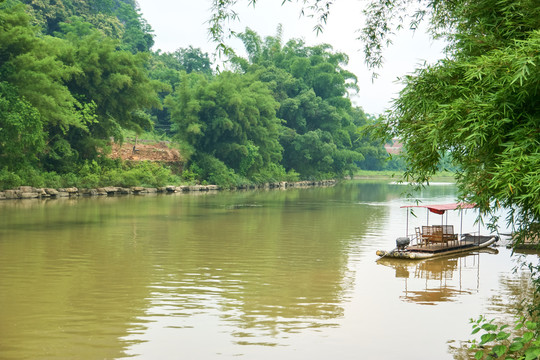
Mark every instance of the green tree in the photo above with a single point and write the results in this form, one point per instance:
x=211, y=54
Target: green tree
x=21, y=130
x=115, y=80
x=375, y=156
x=311, y=85
x=119, y=19
x=193, y=60
x=168, y=69
x=137, y=36
x=33, y=81
x=83, y=88
x=231, y=117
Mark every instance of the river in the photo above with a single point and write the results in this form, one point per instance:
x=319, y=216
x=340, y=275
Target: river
x=279, y=274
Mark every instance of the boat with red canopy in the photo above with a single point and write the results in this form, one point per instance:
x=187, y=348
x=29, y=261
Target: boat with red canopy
x=437, y=240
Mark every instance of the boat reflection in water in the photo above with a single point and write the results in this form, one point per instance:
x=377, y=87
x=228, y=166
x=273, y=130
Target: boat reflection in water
x=432, y=281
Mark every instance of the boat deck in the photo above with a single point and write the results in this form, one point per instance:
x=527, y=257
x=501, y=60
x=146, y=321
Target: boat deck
x=465, y=242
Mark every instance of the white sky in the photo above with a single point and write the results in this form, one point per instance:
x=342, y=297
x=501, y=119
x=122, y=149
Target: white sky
x=181, y=23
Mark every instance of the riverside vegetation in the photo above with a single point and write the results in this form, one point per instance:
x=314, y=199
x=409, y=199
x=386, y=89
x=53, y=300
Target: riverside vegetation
x=76, y=74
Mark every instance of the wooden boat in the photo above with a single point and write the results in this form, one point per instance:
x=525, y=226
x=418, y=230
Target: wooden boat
x=437, y=240
x=466, y=244
x=398, y=263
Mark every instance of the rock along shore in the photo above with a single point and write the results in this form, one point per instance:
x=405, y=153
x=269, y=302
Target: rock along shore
x=29, y=192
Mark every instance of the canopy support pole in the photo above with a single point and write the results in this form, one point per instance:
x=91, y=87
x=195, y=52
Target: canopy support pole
x=407, y=228
x=461, y=224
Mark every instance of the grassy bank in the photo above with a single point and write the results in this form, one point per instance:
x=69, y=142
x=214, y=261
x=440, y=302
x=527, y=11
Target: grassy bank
x=444, y=176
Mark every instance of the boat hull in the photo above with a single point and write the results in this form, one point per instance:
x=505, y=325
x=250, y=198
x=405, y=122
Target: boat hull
x=419, y=255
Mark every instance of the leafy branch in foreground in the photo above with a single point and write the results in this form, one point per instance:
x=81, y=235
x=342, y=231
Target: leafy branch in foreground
x=222, y=12
x=481, y=105
x=496, y=342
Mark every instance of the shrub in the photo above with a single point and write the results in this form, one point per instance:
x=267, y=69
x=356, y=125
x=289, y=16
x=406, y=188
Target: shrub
x=193, y=173
x=70, y=180
x=275, y=173
x=90, y=174
x=9, y=180
x=216, y=172
x=52, y=180
x=292, y=176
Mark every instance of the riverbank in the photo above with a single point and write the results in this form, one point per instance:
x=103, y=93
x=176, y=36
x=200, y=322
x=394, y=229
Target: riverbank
x=444, y=176
x=29, y=192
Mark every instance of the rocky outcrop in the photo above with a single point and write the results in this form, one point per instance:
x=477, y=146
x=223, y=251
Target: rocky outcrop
x=28, y=192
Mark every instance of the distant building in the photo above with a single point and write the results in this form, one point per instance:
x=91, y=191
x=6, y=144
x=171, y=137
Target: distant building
x=394, y=147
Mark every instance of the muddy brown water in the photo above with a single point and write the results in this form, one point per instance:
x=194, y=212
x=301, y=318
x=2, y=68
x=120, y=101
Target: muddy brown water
x=246, y=275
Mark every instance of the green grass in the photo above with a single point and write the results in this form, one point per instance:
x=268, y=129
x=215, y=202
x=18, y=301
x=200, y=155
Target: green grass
x=397, y=175
x=371, y=174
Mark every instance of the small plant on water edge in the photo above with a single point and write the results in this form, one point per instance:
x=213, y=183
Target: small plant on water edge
x=503, y=342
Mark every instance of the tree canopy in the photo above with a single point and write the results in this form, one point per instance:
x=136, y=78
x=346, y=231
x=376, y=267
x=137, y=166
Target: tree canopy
x=232, y=117
x=118, y=19
x=312, y=87
x=284, y=109
x=66, y=94
x=76, y=74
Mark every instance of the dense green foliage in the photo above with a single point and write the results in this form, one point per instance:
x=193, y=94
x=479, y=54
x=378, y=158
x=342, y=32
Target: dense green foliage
x=64, y=96
x=117, y=19
x=320, y=126
x=76, y=74
x=232, y=118
x=91, y=174
x=283, y=113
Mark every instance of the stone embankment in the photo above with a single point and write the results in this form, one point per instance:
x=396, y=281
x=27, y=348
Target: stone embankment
x=28, y=192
